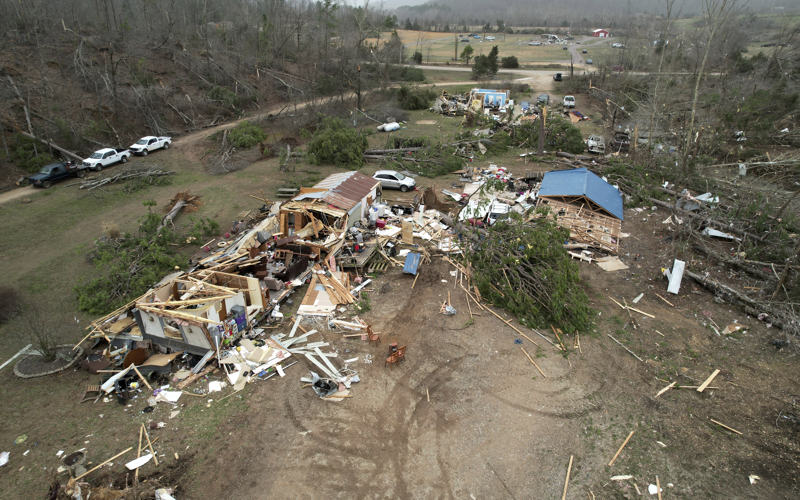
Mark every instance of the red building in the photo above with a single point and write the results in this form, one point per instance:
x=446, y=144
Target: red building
x=601, y=33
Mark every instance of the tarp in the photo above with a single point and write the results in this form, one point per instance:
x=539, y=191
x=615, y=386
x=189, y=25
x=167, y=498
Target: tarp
x=582, y=182
x=412, y=263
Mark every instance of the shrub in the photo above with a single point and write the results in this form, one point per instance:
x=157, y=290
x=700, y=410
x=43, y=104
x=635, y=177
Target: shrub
x=246, y=135
x=408, y=74
x=408, y=142
x=29, y=155
x=509, y=62
x=203, y=227
x=561, y=135
x=223, y=96
x=400, y=73
x=228, y=98
x=128, y=266
x=10, y=303
x=336, y=143
x=412, y=98
x=417, y=57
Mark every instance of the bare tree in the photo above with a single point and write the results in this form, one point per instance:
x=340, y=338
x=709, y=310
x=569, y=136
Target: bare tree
x=661, y=42
x=715, y=14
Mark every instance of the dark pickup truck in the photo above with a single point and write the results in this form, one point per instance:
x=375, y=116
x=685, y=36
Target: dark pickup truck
x=55, y=172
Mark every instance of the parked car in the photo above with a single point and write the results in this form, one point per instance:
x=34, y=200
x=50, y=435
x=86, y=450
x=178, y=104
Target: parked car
x=557, y=77
x=618, y=45
x=490, y=37
x=391, y=179
x=55, y=172
x=569, y=101
x=564, y=48
x=105, y=158
x=535, y=44
x=596, y=144
x=149, y=143
x=584, y=51
x=588, y=61
x=543, y=99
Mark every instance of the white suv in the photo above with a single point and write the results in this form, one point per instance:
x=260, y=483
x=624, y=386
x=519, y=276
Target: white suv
x=391, y=179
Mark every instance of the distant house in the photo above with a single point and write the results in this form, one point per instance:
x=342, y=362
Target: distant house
x=601, y=33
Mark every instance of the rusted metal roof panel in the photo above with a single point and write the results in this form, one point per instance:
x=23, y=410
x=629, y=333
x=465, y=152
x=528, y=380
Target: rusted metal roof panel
x=350, y=191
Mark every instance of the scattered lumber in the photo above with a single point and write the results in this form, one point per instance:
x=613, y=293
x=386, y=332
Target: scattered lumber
x=103, y=463
x=614, y=458
x=725, y=426
x=566, y=480
x=624, y=347
x=705, y=384
x=532, y=361
x=665, y=389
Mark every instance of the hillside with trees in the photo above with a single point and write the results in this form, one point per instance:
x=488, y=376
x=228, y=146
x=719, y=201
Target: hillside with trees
x=89, y=74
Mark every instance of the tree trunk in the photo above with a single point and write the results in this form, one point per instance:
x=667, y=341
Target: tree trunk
x=716, y=12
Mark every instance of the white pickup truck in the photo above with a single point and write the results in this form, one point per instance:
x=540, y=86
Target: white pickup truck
x=569, y=101
x=150, y=143
x=105, y=158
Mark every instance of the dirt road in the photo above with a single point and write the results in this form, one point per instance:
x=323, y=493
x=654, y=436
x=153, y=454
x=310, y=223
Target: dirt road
x=14, y=194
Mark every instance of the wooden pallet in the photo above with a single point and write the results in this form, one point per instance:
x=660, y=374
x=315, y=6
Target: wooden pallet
x=377, y=266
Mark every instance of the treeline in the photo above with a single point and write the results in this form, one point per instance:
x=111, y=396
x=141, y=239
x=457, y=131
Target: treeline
x=106, y=71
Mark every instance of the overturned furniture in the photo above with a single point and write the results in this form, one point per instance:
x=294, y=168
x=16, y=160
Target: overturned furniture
x=586, y=205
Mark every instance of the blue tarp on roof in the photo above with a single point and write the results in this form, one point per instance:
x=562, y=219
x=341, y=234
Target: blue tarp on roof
x=582, y=182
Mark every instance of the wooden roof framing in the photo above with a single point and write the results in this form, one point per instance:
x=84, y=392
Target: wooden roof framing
x=586, y=223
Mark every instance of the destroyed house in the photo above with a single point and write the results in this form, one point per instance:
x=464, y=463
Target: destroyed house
x=196, y=313
x=343, y=194
x=490, y=98
x=585, y=204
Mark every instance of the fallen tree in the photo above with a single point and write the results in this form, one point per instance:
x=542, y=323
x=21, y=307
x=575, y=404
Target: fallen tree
x=149, y=173
x=523, y=268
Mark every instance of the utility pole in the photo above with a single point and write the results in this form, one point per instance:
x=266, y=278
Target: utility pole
x=455, y=46
x=358, y=87
x=542, y=118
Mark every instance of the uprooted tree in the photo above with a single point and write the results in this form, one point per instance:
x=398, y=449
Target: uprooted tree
x=523, y=268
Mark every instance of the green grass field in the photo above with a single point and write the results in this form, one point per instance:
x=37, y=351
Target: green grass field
x=439, y=47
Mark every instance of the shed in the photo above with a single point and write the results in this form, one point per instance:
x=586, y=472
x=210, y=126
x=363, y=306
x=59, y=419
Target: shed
x=601, y=33
x=585, y=204
x=572, y=185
